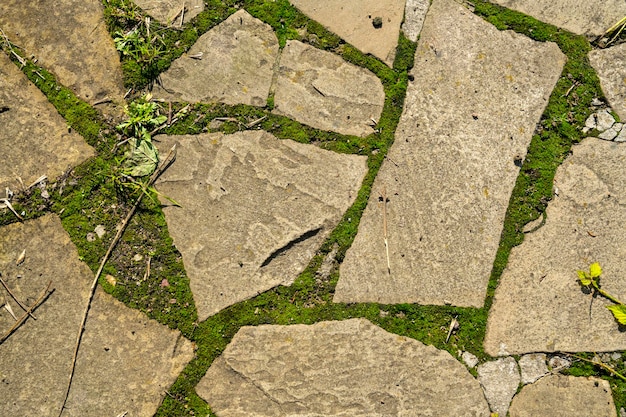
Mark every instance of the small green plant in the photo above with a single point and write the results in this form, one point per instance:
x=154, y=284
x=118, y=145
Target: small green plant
x=137, y=46
x=591, y=281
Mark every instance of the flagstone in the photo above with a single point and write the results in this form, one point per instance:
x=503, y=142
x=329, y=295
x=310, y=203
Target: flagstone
x=341, y=368
x=468, y=119
x=170, y=12
x=356, y=22
x=322, y=90
x=125, y=362
x=254, y=210
x=34, y=138
x=591, y=18
x=610, y=64
x=232, y=63
x=70, y=39
x=564, y=396
x=539, y=306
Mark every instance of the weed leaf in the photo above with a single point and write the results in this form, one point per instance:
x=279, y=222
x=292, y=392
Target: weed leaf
x=584, y=278
x=595, y=270
x=619, y=312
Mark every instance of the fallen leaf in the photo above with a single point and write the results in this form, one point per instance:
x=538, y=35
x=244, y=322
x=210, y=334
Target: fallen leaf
x=21, y=258
x=165, y=283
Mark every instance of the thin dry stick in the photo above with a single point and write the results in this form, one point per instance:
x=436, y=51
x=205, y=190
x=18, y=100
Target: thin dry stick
x=32, y=308
x=383, y=194
x=166, y=162
x=6, y=287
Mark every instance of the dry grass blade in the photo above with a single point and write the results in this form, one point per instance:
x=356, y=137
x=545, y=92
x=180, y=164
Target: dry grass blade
x=5, y=203
x=6, y=287
x=383, y=196
x=21, y=320
x=166, y=163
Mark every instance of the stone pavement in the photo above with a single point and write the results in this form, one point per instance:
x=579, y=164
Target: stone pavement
x=255, y=211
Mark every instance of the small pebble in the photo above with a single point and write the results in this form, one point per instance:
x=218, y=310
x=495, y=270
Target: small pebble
x=469, y=359
x=604, y=120
x=91, y=237
x=138, y=257
x=100, y=231
x=558, y=363
x=596, y=102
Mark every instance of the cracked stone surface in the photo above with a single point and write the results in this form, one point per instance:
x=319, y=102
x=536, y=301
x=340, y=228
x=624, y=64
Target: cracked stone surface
x=232, y=63
x=564, y=396
x=126, y=361
x=469, y=116
x=340, y=368
x=539, y=305
x=166, y=11
x=610, y=64
x=414, y=15
x=589, y=18
x=533, y=366
x=69, y=39
x=353, y=20
x=500, y=379
x=254, y=210
x=34, y=139
x=322, y=90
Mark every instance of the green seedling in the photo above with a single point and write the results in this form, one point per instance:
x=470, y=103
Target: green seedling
x=137, y=46
x=591, y=281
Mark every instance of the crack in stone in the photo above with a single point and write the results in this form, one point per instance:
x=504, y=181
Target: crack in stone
x=278, y=252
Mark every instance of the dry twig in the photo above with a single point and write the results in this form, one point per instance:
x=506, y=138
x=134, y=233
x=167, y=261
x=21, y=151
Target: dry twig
x=40, y=300
x=383, y=196
x=166, y=162
x=23, y=307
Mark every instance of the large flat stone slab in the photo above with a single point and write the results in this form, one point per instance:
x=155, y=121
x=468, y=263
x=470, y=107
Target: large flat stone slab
x=322, y=90
x=610, y=64
x=539, y=305
x=232, y=63
x=70, y=39
x=343, y=368
x=254, y=210
x=591, y=18
x=469, y=116
x=126, y=361
x=171, y=11
x=564, y=396
x=356, y=22
x=34, y=139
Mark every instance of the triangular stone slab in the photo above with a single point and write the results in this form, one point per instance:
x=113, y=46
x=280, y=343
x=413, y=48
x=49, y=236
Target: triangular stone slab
x=254, y=210
x=564, y=396
x=591, y=17
x=232, y=63
x=170, y=12
x=322, y=90
x=126, y=361
x=70, y=39
x=372, y=26
x=469, y=116
x=342, y=368
x=610, y=64
x=539, y=305
x=34, y=138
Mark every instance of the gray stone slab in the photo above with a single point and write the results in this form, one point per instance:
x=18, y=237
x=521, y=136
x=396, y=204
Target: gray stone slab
x=170, y=12
x=539, y=305
x=500, y=380
x=34, y=139
x=322, y=90
x=232, y=63
x=533, y=366
x=414, y=15
x=354, y=21
x=70, y=39
x=126, y=361
x=564, y=396
x=254, y=210
x=469, y=116
x=590, y=18
x=610, y=64
x=342, y=368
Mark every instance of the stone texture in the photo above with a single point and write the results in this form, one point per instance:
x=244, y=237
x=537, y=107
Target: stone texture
x=589, y=18
x=70, y=39
x=353, y=20
x=235, y=65
x=342, y=368
x=610, y=64
x=604, y=120
x=166, y=11
x=469, y=116
x=414, y=15
x=34, y=139
x=469, y=359
x=564, y=396
x=500, y=379
x=126, y=361
x=533, y=366
x=539, y=305
x=322, y=90
x=254, y=210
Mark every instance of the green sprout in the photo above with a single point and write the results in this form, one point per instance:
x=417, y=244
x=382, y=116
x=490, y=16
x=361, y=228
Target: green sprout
x=591, y=281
